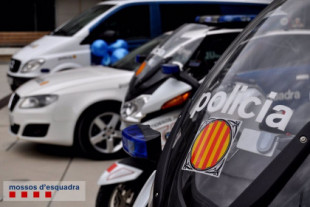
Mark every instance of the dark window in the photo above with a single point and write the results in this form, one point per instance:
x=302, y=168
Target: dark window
x=208, y=53
x=130, y=23
x=77, y=23
x=30, y=15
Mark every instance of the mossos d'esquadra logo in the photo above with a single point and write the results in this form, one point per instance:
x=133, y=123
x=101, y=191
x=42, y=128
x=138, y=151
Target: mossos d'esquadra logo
x=239, y=101
x=210, y=147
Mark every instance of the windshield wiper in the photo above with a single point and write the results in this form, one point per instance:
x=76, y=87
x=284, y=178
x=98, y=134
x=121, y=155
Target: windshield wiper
x=270, y=182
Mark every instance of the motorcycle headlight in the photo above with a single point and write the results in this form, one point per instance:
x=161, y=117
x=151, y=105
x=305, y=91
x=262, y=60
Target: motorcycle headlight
x=128, y=109
x=32, y=65
x=131, y=111
x=37, y=101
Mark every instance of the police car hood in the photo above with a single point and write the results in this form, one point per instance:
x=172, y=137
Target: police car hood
x=48, y=44
x=89, y=78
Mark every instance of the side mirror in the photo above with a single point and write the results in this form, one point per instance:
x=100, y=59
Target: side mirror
x=140, y=58
x=170, y=69
x=175, y=71
x=140, y=141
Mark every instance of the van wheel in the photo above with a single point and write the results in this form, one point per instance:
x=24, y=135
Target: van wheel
x=118, y=195
x=99, y=134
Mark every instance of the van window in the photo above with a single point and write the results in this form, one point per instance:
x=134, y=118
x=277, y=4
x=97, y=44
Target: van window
x=77, y=23
x=130, y=23
x=174, y=15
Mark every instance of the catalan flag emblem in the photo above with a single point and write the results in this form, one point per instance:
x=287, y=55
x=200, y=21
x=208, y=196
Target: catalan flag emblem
x=211, y=146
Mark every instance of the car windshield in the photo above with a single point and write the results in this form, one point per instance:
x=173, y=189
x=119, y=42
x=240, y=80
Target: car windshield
x=247, y=111
x=77, y=23
x=129, y=61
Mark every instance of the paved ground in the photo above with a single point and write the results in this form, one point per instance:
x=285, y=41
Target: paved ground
x=21, y=160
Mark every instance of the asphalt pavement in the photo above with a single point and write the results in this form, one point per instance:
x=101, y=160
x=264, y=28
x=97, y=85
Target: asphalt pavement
x=25, y=161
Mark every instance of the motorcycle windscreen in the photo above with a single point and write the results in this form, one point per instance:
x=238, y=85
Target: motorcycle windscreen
x=178, y=48
x=245, y=116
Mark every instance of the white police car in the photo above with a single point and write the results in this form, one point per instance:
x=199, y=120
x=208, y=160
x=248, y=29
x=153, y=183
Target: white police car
x=76, y=107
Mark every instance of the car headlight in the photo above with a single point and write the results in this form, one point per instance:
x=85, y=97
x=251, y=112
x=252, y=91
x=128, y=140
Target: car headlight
x=32, y=65
x=37, y=101
x=131, y=110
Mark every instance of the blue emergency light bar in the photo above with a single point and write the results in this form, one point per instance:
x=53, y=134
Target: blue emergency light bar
x=133, y=142
x=216, y=19
x=141, y=141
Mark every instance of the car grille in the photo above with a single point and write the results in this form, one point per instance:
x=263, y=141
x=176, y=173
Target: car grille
x=36, y=130
x=15, y=128
x=14, y=65
x=14, y=101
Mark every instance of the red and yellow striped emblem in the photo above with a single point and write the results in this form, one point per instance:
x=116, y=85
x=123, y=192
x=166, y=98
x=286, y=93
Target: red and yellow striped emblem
x=211, y=145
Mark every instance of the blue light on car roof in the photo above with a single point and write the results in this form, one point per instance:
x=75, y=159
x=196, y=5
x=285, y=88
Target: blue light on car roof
x=225, y=18
x=134, y=142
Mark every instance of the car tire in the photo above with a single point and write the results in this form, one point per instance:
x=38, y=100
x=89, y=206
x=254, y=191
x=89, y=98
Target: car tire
x=118, y=195
x=98, y=131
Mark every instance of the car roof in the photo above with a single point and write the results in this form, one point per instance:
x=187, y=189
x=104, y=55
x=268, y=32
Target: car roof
x=121, y=2
x=210, y=31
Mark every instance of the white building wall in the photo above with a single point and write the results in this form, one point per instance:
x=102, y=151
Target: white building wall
x=66, y=9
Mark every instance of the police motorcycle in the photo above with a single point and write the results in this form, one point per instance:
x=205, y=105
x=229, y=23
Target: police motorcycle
x=244, y=139
x=164, y=82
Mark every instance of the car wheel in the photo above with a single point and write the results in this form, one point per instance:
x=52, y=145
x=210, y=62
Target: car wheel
x=99, y=133
x=118, y=195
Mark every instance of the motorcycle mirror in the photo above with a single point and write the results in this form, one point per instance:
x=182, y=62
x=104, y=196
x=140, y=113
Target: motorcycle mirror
x=170, y=69
x=141, y=141
x=140, y=58
x=175, y=70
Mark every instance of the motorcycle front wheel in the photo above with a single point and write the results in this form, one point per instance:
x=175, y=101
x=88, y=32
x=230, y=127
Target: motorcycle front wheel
x=118, y=195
